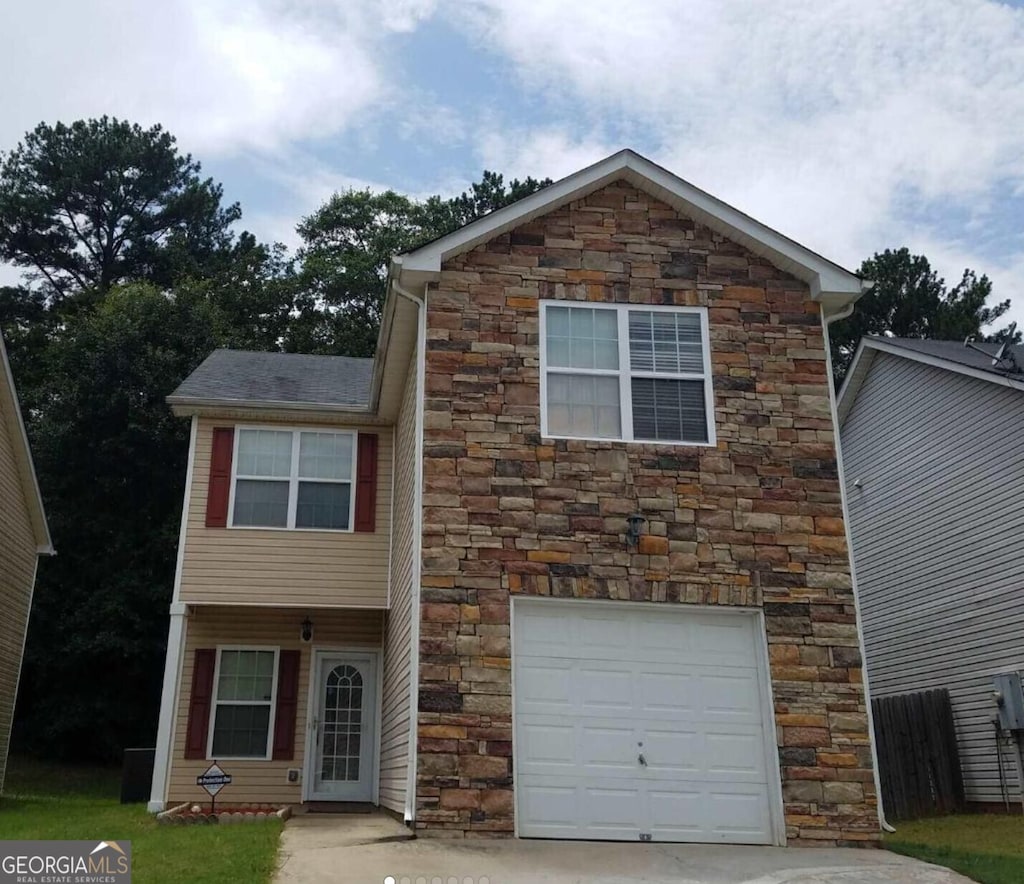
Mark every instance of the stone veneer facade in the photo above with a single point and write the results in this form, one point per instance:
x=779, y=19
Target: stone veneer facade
x=754, y=521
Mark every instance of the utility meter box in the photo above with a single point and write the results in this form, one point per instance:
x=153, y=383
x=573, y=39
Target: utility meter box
x=1010, y=700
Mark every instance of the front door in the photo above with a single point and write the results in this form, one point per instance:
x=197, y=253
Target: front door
x=342, y=726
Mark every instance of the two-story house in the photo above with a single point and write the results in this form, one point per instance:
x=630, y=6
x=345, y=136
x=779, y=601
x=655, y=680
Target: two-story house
x=24, y=536
x=567, y=559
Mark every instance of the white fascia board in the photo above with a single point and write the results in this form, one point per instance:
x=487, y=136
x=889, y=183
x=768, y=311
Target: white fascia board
x=23, y=456
x=864, y=358
x=827, y=280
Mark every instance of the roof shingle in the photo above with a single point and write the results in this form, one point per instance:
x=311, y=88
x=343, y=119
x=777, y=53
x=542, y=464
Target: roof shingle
x=955, y=351
x=286, y=378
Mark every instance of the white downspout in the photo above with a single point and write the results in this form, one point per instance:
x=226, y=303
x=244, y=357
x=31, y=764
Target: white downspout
x=417, y=564
x=825, y=323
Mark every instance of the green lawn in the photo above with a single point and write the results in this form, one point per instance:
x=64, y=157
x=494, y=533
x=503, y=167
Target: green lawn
x=44, y=801
x=988, y=848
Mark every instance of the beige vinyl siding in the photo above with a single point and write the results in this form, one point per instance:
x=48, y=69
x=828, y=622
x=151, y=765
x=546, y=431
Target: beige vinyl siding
x=304, y=568
x=258, y=781
x=394, y=748
x=17, y=571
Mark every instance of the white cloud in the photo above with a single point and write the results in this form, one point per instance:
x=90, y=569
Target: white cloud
x=220, y=75
x=549, y=152
x=816, y=118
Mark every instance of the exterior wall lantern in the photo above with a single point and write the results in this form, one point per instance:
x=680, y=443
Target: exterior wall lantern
x=307, y=630
x=635, y=524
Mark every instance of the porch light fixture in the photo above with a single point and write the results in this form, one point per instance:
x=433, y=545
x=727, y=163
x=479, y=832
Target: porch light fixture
x=307, y=630
x=636, y=524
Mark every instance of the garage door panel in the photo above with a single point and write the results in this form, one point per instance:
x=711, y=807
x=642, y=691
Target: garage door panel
x=734, y=696
x=699, y=812
x=668, y=691
x=727, y=637
x=736, y=754
x=672, y=753
x=602, y=634
x=605, y=750
x=681, y=686
x=583, y=748
x=603, y=688
x=545, y=685
x=547, y=745
x=553, y=804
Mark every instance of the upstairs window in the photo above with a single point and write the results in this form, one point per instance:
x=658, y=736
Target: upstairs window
x=633, y=374
x=293, y=479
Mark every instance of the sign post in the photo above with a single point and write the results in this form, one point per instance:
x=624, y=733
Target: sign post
x=213, y=779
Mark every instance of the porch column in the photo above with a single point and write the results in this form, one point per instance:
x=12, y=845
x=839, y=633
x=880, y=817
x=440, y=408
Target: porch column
x=168, y=706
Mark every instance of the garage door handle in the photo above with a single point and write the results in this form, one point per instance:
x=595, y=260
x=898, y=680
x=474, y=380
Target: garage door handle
x=642, y=760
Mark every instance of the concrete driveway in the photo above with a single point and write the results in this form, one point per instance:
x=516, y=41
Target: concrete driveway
x=374, y=848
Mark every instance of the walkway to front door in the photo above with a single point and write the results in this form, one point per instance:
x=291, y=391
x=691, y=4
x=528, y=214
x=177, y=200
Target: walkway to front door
x=341, y=747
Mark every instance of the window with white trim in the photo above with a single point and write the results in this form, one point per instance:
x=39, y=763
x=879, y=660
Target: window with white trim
x=625, y=372
x=243, y=703
x=293, y=479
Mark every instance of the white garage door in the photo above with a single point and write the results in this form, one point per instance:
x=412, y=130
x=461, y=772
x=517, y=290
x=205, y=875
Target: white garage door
x=640, y=722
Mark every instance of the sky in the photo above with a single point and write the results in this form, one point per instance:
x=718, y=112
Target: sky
x=849, y=125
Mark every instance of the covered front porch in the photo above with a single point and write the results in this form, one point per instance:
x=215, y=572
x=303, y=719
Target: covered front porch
x=288, y=701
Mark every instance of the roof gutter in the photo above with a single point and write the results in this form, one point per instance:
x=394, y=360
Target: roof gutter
x=826, y=320
x=192, y=402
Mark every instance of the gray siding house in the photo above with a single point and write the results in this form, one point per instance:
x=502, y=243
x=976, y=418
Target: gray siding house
x=933, y=463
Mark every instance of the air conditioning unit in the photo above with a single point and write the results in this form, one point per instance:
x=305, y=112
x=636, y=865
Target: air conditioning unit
x=1009, y=697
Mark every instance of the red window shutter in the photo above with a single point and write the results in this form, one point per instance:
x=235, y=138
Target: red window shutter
x=366, y=483
x=219, y=489
x=287, y=705
x=200, y=703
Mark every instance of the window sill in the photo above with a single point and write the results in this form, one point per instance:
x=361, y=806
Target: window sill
x=618, y=440
x=291, y=530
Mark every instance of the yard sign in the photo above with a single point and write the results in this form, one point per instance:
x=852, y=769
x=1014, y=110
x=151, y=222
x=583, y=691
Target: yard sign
x=213, y=779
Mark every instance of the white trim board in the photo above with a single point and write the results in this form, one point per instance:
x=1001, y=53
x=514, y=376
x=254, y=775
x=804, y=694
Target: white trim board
x=827, y=280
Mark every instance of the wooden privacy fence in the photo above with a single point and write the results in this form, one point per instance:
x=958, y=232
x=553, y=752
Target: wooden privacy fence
x=918, y=762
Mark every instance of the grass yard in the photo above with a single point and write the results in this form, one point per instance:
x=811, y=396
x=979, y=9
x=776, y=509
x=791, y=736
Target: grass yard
x=47, y=801
x=988, y=848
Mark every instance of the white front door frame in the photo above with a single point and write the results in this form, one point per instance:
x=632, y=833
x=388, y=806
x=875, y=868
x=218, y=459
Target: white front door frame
x=312, y=710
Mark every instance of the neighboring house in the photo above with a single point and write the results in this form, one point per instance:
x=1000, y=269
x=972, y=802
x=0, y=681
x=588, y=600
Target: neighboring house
x=24, y=537
x=934, y=474
x=585, y=496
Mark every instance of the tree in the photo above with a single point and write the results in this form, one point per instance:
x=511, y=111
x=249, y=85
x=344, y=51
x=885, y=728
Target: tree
x=110, y=458
x=348, y=242
x=85, y=206
x=910, y=300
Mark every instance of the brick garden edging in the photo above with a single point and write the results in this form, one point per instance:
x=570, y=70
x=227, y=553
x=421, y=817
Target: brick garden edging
x=183, y=814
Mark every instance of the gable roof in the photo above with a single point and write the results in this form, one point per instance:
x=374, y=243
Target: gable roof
x=951, y=356
x=955, y=351
x=23, y=455
x=278, y=380
x=829, y=283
